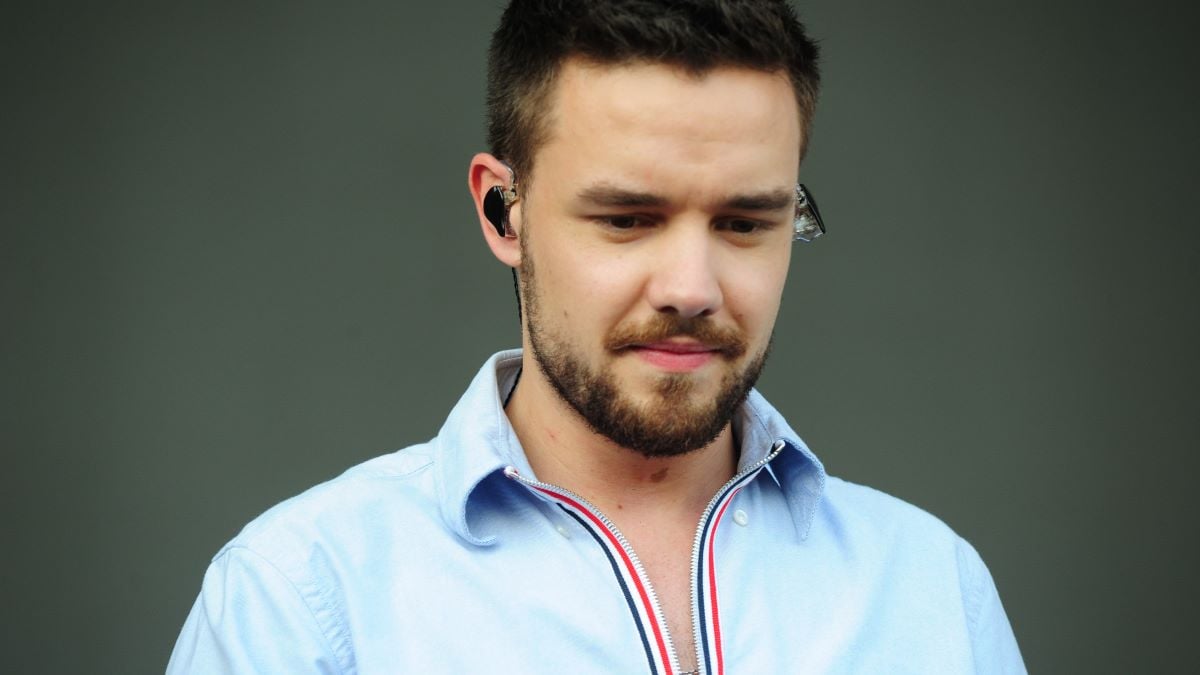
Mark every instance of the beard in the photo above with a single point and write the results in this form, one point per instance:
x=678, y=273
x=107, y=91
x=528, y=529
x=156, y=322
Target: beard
x=676, y=420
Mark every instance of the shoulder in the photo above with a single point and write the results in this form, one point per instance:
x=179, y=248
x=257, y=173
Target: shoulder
x=853, y=500
x=883, y=537
x=363, y=504
x=870, y=519
x=283, y=581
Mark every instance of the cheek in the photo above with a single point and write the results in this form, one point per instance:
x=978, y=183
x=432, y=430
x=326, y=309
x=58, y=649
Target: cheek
x=590, y=291
x=754, y=292
x=755, y=311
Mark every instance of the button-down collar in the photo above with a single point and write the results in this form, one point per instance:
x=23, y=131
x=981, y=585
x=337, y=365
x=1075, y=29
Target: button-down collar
x=477, y=442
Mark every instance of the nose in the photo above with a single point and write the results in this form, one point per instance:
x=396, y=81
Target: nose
x=684, y=279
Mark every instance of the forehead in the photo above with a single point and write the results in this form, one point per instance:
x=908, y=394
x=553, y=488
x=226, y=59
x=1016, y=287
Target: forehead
x=656, y=123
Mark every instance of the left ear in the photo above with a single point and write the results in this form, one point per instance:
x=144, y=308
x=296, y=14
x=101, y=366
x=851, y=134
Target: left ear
x=485, y=173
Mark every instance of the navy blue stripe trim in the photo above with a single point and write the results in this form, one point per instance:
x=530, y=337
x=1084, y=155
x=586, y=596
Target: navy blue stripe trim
x=700, y=573
x=637, y=621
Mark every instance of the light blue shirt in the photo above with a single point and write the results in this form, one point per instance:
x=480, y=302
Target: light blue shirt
x=449, y=557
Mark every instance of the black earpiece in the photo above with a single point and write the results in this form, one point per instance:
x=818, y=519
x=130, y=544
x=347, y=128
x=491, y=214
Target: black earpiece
x=494, y=209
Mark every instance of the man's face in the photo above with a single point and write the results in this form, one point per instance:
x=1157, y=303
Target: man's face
x=655, y=243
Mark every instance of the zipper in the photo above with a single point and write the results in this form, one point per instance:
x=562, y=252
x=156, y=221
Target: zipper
x=639, y=570
x=558, y=492
x=697, y=545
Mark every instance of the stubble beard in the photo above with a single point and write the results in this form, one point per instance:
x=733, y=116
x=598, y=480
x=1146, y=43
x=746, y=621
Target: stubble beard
x=673, y=422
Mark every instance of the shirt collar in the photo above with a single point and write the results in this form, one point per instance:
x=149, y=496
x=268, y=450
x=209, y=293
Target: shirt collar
x=800, y=475
x=477, y=442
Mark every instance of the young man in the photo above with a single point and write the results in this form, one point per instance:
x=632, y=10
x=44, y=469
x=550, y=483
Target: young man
x=614, y=498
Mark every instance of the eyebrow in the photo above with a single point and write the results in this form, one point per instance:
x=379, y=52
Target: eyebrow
x=609, y=195
x=772, y=200
x=606, y=194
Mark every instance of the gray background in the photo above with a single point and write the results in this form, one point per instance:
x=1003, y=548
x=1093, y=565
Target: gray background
x=238, y=256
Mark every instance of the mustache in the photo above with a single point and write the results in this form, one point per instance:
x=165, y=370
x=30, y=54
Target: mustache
x=729, y=341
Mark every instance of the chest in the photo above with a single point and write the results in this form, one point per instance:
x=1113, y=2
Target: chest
x=560, y=593
x=666, y=559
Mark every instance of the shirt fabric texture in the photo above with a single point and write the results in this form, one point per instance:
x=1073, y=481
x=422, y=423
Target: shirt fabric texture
x=449, y=557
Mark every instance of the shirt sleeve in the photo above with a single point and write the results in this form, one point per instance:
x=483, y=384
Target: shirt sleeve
x=992, y=641
x=249, y=618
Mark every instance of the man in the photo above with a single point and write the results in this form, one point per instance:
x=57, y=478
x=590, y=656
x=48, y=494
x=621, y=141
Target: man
x=614, y=498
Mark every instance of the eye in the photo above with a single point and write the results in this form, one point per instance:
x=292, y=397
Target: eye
x=624, y=221
x=743, y=226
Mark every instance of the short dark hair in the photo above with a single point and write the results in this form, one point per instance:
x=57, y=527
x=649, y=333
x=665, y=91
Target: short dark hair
x=535, y=37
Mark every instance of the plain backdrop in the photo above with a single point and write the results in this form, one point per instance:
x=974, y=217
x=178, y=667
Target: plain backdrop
x=238, y=256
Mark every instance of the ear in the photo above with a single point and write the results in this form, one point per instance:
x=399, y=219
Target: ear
x=485, y=173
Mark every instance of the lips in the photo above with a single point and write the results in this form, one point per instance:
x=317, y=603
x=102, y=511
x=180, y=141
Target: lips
x=677, y=347
x=675, y=356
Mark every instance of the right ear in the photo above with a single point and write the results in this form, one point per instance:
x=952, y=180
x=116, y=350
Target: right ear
x=485, y=173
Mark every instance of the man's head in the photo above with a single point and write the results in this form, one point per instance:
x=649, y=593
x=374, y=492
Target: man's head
x=653, y=237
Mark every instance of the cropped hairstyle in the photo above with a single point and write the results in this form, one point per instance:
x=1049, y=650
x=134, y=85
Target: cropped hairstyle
x=536, y=37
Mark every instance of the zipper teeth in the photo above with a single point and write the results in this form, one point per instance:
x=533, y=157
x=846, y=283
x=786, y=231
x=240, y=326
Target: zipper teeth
x=701, y=668
x=511, y=472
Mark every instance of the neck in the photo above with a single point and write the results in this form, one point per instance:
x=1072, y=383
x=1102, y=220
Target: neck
x=563, y=450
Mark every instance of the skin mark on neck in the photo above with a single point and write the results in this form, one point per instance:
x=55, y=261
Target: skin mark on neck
x=658, y=476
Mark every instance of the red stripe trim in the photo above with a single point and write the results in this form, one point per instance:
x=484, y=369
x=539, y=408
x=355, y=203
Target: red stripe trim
x=712, y=584
x=658, y=635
